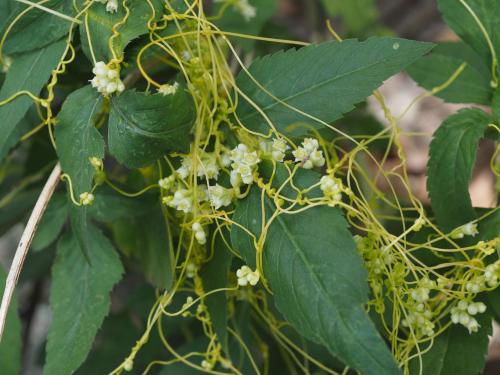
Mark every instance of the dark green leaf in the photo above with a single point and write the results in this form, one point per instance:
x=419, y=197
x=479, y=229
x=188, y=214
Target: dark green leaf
x=144, y=127
x=38, y=28
x=77, y=137
x=471, y=86
x=462, y=21
x=10, y=346
x=101, y=23
x=318, y=280
x=324, y=81
x=215, y=275
x=52, y=222
x=79, y=300
x=30, y=72
x=452, y=156
x=456, y=351
x=146, y=238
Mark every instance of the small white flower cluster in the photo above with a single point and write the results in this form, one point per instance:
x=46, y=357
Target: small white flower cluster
x=279, y=149
x=331, y=188
x=375, y=257
x=207, y=167
x=199, y=233
x=191, y=270
x=308, y=154
x=86, y=199
x=469, y=229
x=111, y=5
x=244, y=163
x=207, y=365
x=247, y=276
x=168, y=89
x=219, y=196
x=463, y=314
x=106, y=80
x=419, y=318
x=167, y=183
x=491, y=274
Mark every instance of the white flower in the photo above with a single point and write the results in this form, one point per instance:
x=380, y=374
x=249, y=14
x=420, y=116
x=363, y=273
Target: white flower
x=209, y=166
x=247, y=10
x=96, y=162
x=331, y=187
x=308, y=154
x=167, y=183
x=244, y=164
x=168, y=89
x=219, y=196
x=86, y=199
x=191, y=271
x=182, y=201
x=469, y=229
x=279, y=149
x=199, y=233
x=246, y=276
x=185, y=167
x=463, y=314
x=106, y=80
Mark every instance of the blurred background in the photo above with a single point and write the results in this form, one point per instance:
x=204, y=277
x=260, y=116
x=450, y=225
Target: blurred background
x=306, y=20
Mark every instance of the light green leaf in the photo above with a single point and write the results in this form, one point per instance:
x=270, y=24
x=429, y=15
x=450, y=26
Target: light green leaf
x=30, y=72
x=52, y=222
x=10, y=346
x=78, y=139
x=38, y=28
x=233, y=20
x=214, y=275
x=101, y=23
x=318, y=280
x=462, y=21
x=456, y=351
x=452, y=155
x=79, y=300
x=144, y=127
x=146, y=239
x=471, y=86
x=324, y=80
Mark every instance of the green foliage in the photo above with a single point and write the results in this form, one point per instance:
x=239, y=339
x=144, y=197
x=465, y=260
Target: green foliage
x=452, y=156
x=52, y=222
x=318, y=281
x=77, y=138
x=30, y=72
x=79, y=299
x=311, y=79
x=472, y=84
x=10, y=347
x=143, y=127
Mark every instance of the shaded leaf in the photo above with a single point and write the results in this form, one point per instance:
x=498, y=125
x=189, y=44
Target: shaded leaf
x=318, y=280
x=324, y=80
x=52, y=222
x=78, y=139
x=79, y=300
x=144, y=127
x=30, y=72
x=452, y=156
x=471, y=86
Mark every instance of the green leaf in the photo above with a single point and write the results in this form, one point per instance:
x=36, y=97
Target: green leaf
x=30, y=72
x=214, y=275
x=38, y=28
x=233, y=20
x=452, y=156
x=318, y=280
x=324, y=80
x=144, y=127
x=10, y=346
x=79, y=300
x=78, y=139
x=101, y=23
x=463, y=23
x=146, y=238
x=471, y=86
x=52, y=222
x=456, y=352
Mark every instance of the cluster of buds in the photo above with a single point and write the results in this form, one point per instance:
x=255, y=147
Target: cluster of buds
x=86, y=199
x=469, y=229
x=308, y=154
x=331, y=188
x=247, y=276
x=420, y=319
x=243, y=164
x=219, y=196
x=463, y=314
x=106, y=80
x=167, y=89
x=199, y=233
